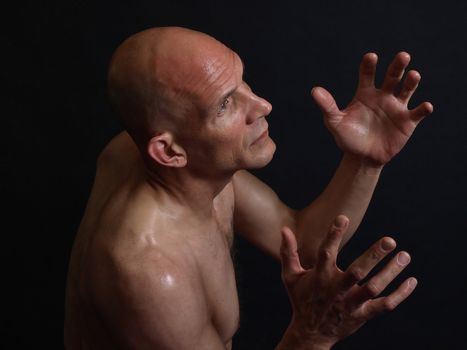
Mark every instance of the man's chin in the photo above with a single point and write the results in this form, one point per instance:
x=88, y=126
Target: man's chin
x=262, y=158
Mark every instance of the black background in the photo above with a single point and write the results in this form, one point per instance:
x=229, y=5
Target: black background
x=57, y=119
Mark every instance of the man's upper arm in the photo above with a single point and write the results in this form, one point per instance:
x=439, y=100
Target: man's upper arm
x=158, y=306
x=259, y=213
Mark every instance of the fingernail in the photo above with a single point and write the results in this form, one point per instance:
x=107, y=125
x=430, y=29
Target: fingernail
x=412, y=282
x=340, y=221
x=403, y=258
x=387, y=244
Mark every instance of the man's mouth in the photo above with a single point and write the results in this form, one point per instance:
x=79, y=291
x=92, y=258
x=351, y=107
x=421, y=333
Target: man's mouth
x=262, y=136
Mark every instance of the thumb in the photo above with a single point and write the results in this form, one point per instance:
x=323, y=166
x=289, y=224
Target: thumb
x=289, y=255
x=325, y=102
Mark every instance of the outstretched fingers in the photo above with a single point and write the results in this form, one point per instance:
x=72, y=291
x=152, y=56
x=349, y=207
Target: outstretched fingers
x=410, y=85
x=395, y=72
x=374, y=307
x=378, y=283
x=421, y=111
x=326, y=104
x=289, y=255
x=367, y=72
x=329, y=247
x=360, y=268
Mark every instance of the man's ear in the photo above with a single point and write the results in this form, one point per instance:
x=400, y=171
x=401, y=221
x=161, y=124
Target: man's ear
x=163, y=149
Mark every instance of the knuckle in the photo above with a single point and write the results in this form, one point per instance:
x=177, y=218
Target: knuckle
x=389, y=305
x=326, y=254
x=372, y=289
x=394, y=75
x=376, y=254
x=356, y=274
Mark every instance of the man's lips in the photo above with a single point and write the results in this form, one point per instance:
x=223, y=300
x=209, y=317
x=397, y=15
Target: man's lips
x=262, y=136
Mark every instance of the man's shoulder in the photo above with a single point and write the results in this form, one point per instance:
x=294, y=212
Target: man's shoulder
x=120, y=143
x=147, y=271
x=149, y=253
x=165, y=273
x=155, y=297
x=119, y=155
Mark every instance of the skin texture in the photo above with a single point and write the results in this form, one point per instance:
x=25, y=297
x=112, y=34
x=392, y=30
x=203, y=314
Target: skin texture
x=151, y=265
x=328, y=303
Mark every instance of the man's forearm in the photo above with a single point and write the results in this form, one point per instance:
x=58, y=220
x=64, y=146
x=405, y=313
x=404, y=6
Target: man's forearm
x=349, y=193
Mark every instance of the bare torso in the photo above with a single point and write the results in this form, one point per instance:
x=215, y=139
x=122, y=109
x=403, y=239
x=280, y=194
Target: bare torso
x=126, y=227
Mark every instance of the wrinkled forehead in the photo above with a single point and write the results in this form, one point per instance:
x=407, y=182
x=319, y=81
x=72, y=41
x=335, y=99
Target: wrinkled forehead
x=199, y=70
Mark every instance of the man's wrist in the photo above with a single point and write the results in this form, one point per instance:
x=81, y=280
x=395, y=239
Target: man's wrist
x=296, y=339
x=362, y=165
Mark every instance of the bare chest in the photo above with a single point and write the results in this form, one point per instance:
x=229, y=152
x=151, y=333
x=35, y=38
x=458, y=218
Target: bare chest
x=218, y=274
x=219, y=286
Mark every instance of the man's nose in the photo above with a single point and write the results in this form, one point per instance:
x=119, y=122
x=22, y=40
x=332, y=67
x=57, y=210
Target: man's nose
x=259, y=108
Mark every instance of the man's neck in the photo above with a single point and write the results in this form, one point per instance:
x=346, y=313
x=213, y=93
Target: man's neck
x=190, y=192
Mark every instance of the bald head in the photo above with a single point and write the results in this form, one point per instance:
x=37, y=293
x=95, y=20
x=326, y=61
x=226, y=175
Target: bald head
x=153, y=77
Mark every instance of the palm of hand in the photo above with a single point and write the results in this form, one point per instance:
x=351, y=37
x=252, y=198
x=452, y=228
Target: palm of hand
x=377, y=123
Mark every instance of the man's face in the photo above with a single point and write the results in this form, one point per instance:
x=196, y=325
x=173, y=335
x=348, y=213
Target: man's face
x=230, y=131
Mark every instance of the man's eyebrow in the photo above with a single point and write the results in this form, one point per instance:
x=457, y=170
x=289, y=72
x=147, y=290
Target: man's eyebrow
x=227, y=95
x=231, y=91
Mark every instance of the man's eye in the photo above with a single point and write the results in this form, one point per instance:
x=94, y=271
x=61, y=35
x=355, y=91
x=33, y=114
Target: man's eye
x=223, y=106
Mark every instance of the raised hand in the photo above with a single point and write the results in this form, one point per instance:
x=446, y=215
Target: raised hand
x=328, y=303
x=377, y=123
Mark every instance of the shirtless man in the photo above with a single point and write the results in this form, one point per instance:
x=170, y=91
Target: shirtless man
x=151, y=265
